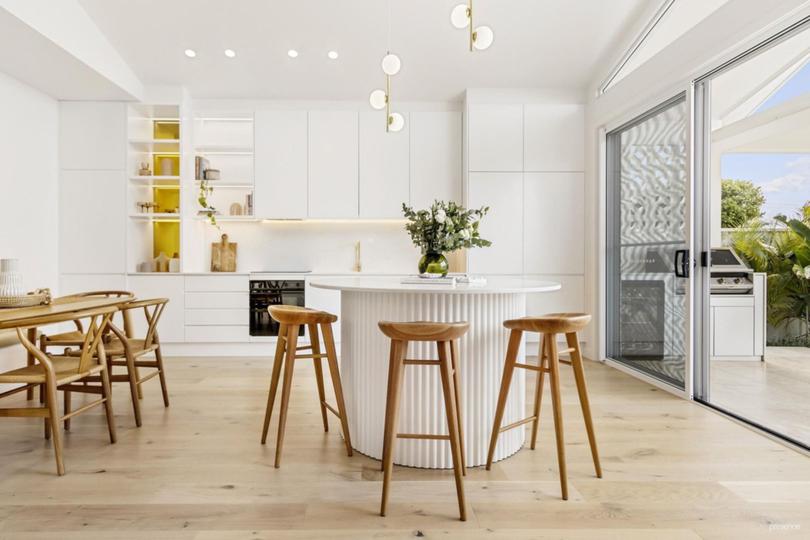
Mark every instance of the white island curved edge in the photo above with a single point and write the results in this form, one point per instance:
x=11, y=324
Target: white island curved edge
x=364, y=363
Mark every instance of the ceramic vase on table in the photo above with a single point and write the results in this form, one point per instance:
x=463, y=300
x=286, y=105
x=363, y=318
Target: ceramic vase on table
x=10, y=278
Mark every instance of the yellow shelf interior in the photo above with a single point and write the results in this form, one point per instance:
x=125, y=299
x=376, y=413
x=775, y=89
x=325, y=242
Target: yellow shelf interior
x=166, y=129
x=166, y=238
x=158, y=164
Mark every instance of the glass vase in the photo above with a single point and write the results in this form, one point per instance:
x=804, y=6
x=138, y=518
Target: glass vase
x=433, y=265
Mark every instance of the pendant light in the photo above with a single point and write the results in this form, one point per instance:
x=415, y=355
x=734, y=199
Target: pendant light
x=381, y=99
x=462, y=17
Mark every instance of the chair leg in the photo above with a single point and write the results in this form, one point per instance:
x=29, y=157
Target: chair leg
x=43, y=394
x=556, y=402
x=334, y=373
x=454, y=360
x=53, y=417
x=162, y=375
x=138, y=387
x=452, y=427
x=67, y=409
x=582, y=390
x=538, y=391
x=29, y=393
x=316, y=350
x=108, y=408
x=289, y=367
x=278, y=362
x=396, y=371
x=506, y=380
x=132, y=375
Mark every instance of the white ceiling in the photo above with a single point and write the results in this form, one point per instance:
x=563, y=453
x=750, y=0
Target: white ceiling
x=538, y=43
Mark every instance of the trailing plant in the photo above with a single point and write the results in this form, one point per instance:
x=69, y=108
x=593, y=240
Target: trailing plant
x=207, y=210
x=445, y=227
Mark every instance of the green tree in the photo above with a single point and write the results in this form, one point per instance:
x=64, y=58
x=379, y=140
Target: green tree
x=741, y=201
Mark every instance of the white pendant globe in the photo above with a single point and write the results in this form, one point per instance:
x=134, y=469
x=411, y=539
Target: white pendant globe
x=483, y=37
x=391, y=64
x=459, y=17
x=396, y=122
x=377, y=99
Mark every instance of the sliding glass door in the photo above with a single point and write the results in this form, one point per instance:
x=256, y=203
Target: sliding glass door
x=647, y=244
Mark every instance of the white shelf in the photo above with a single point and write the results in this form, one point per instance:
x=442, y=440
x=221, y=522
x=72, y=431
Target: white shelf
x=223, y=219
x=235, y=149
x=156, y=216
x=155, y=146
x=216, y=184
x=162, y=181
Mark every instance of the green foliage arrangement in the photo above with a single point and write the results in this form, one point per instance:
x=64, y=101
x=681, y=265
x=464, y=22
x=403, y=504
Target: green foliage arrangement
x=207, y=210
x=445, y=227
x=741, y=201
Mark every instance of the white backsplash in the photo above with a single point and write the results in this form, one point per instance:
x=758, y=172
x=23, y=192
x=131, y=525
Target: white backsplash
x=321, y=246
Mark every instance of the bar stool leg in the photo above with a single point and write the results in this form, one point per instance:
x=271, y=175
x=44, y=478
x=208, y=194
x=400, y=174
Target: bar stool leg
x=538, y=392
x=457, y=391
x=278, y=361
x=334, y=373
x=316, y=350
x=396, y=370
x=392, y=358
x=556, y=402
x=289, y=367
x=506, y=380
x=452, y=426
x=582, y=390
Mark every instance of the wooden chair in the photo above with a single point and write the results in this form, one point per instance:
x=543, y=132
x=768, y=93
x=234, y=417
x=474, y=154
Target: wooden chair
x=290, y=319
x=63, y=373
x=446, y=336
x=126, y=351
x=548, y=362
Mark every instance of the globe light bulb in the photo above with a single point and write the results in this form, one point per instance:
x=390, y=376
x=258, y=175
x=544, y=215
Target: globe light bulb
x=483, y=37
x=377, y=99
x=391, y=64
x=396, y=122
x=460, y=16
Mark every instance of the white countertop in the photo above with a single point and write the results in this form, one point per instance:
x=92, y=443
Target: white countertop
x=494, y=285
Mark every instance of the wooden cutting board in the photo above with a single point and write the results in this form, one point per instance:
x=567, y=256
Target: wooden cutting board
x=223, y=255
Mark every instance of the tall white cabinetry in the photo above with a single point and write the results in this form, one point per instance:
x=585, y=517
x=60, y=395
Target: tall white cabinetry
x=333, y=167
x=281, y=143
x=526, y=161
x=436, y=165
x=384, y=167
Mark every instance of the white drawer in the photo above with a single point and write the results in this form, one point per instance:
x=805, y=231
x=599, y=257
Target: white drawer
x=731, y=300
x=238, y=317
x=217, y=300
x=216, y=283
x=217, y=334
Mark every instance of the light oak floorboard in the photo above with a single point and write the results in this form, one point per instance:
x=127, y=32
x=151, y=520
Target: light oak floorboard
x=672, y=470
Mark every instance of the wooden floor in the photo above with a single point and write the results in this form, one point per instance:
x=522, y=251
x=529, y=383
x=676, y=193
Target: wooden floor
x=774, y=393
x=672, y=470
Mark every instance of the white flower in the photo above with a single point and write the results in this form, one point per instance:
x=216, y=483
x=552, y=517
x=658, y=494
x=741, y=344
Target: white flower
x=807, y=272
x=440, y=216
x=465, y=234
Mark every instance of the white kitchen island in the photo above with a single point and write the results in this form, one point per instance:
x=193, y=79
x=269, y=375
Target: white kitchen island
x=364, y=363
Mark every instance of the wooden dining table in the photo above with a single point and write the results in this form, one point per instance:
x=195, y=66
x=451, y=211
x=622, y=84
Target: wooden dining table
x=62, y=309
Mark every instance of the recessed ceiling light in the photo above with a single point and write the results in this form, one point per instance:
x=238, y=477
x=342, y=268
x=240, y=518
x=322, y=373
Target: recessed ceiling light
x=332, y=54
x=230, y=53
x=292, y=53
x=191, y=53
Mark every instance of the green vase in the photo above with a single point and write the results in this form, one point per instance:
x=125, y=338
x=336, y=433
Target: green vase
x=433, y=264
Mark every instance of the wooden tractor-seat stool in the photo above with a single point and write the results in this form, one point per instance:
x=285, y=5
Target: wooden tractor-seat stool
x=446, y=336
x=291, y=319
x=548, y=362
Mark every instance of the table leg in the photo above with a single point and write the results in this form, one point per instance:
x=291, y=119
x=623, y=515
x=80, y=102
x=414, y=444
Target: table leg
x=32, y=337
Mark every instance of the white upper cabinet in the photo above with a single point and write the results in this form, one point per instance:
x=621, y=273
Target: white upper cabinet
x=92, y=222
x=435, y=157
x=554, y=223
x=333, y=157
x=554, y=138
x=92, y=135
x=503, y=226
x=496, y=138
x=280, y=150
x=384, y=164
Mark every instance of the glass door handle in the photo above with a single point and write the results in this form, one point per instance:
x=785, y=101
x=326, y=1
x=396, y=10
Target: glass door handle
x=682, y=263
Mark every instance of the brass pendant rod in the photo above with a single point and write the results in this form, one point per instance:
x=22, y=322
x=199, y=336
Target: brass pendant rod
x=470, y=13
x=387, y=101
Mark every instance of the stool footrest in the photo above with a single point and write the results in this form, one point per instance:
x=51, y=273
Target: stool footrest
x=517, y=424
x=426, y=436
x=565, y=351
x=417, y=362
x=530, y=366
x=313, y=356
x=332, y=409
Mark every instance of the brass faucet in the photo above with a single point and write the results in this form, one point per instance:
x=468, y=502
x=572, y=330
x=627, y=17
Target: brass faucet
x=358, y=267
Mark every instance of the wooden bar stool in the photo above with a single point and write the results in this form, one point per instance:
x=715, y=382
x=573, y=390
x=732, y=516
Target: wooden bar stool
x=548, y=362
x=446, y=336
x=290, y=319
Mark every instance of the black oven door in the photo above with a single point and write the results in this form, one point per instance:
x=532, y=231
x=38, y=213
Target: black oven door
x=265, y=293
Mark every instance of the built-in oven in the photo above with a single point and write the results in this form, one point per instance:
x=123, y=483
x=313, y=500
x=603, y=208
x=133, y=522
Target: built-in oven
x=272, y=292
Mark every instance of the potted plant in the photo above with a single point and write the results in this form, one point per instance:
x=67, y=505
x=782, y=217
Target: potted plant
x=440, y=229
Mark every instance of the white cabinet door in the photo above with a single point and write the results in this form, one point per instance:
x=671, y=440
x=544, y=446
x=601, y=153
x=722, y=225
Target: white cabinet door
x=171, y=324
x=554, y=223
x=384, y=164
x=93, y=135
x=92, y=222
x=496, y=138
x=333, y=181
x=435, y=157
x=280, y=151
x=76, y=283
x=733, y=330
x=554, y=138
x=503, y=226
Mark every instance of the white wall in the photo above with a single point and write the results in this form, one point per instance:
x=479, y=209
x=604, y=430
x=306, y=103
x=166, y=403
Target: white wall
x=28, y=188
